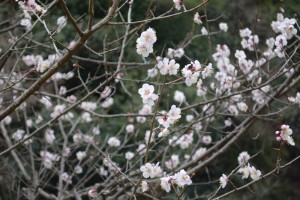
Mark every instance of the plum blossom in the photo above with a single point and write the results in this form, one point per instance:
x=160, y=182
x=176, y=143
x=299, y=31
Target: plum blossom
x=18, y=135
x=197, y=18
x=223, y=27
x=178, y=4
x=204, y=31
x=166, y=183
x=191, y=72
x=67, y=178
x=173, y=162
x=147, y=94
x=49, y=136
x=78, y=169
x=30, y=6
x=285, y=134
x=254, y=173
x=175, y=53
x=223, y=180
x=171, y=117
x=199, y=153
x=146, y=109
x=206, y=139
x=164, y=132
x=167, y=66
x=244, y=171
x=150, y=170
x=129, y=128
x=147, y=136
x=207, y=71
x=144, y=186
x=145, y=42
x=243, y=158
x=114, y=142
x=242, y=106
x=81, y=155
x=295, y=99
x=179, y=96
x=182, y=178
x=108, y=102
x=129, y=155
x=92, y=193
x=49, y=158
x=61, y=23
x=185, y=140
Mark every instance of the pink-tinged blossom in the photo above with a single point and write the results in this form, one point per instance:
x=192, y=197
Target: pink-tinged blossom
x=245, y=32
x=86, y=117
x=107, y=103
x=243, y=158
x=141, y=149
x=199, y=153
x=182, y=178
x=285, y=134
x=152, y=72
x=173, y=162
x=49, y=136
x=185, y=141
x=67, y=178
x=287, y=28
x=18, y=135
x=106, y=92
x=191, y=72
x=171, y=117
x=147, y=94
x=30, y=6
x=295, y=99
x=144, y=186
x=147, y=136
x=164, y=132
x=145, y=42
x=148, y=170
x=244, y=171
x=167, y=66
x=49, y=158
x=197, y=18
x=166, y=183
x=129, y=128
x=207, y=71
x=204, y=31
x=223, y=27
x=178, y=4
x=129, y=155
x=58, y=109
x=179, y=96
x=254, y=173
x=78, y=169
x=228, y=122
x=280, y=41
x=81, y=155
x=87, y=105
x=114, y=142
x=61, y=23
x=223, y=180
x=175, y=53
x=242, y=106
x=206, y=139
x=92, y=193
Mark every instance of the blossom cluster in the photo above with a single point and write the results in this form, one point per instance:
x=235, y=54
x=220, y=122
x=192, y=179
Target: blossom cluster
x=147, y=94
x=285, y=135
x=171, y=117
x=145, y=42
x=41, y=64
